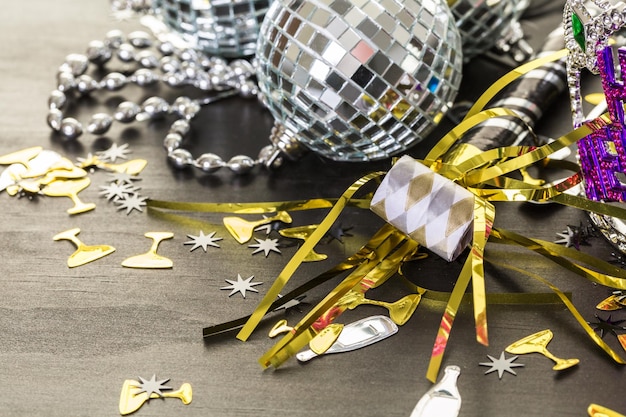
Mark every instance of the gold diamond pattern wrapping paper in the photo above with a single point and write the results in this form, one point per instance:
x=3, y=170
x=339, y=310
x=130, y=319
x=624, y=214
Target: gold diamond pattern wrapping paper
x=431, y=209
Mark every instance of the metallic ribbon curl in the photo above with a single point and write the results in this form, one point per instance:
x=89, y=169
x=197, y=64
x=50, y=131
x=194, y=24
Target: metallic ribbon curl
x=482, y=173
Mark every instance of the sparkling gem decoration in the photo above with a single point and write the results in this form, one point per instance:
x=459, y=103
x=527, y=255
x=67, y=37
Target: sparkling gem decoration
x=227, y=28
x=359, y=81
x=602, y=154
x=588, y=25
x=578, y=31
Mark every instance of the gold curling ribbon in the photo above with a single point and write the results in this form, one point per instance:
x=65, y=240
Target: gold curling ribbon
x=570, y=306
x=299, y=256
x=255, y=208
x=484, y=174
x=368, y=275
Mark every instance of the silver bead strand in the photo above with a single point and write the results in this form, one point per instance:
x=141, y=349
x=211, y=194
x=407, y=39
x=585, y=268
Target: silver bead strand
x=175, y=68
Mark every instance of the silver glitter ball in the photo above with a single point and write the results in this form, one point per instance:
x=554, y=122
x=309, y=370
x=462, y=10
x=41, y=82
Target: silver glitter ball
x=180, y=158
x=240, y=164
x=126, y=112
x=209, y=162
x=221, y=27
x=54, y=119
x=57, y=99
x=359, y=81
x=172, y=142
x=71, y=128
x=99, y=124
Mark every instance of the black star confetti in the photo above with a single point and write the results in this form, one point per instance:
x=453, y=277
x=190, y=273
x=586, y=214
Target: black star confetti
x=501, y=365
x=270, y=227
x=151, y=385
x=607, y=325
x=337, y=232
x=293, y=304
x=202, y=241
x=241, y=285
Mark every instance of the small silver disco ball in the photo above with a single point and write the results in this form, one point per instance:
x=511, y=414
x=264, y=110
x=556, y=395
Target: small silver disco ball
x=483, y=24
x=227, y=28
x=359, y=81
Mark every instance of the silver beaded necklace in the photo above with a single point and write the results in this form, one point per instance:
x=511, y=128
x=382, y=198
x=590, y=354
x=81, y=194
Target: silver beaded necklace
x=176, y=67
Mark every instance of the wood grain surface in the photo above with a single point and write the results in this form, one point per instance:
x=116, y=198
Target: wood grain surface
x=70, y=337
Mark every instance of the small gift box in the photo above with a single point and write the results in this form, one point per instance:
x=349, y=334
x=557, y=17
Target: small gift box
x=431, y=209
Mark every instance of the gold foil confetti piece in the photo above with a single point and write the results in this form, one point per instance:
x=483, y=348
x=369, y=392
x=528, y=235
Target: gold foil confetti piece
x=132, y=167
x=400, y=311
x=242, y=230
x=538, y=343
x=83, y=253
x=596, y=410
x=44, y=162
x=132, y=398
x=622, y=340
x=70, y=189
x=21, y=156
x=325, y=338
x=280, y=327
x=150, y=259
x=610, y=303
x=303, y=232
x=72, y=172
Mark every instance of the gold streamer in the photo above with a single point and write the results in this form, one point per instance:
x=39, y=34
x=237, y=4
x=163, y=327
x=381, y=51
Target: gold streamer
x=488, y=169
x=452, y=307
x=396, y=246
x=484, y=174
x=579, y=318
x=484, y=214
x=299, y=256
x=255, y=208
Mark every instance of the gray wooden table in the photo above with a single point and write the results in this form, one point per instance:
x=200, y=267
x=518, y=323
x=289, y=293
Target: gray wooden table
x=70, y=337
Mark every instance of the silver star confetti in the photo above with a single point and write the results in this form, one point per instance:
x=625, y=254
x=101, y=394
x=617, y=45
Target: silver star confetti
x=266, y=246
x=114, y=152
x=131, y=202
x=151, y=385
x=116, y=191
x=241, y=285
x=501, y=365
x=123, y=178
x=202, y=241
x=568, y=237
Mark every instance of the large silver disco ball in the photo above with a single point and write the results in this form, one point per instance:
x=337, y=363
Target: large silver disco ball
x=228, y=28
x=358, y=81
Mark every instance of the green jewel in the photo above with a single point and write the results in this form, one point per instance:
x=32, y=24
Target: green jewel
x=579, y=31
